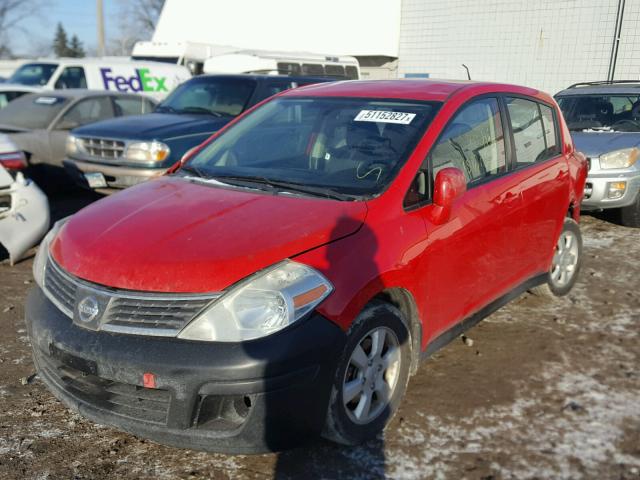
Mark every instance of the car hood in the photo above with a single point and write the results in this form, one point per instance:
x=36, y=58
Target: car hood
x=173, y=235
x=161, y=126
x=594, y=144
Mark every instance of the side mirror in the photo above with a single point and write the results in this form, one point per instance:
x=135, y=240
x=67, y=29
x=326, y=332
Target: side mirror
x=449, y=185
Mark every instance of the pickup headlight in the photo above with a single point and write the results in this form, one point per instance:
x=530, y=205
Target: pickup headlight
x=261, y=305
x=619, y=158
x=72, y=145
x=40, y=262
x=146, y=152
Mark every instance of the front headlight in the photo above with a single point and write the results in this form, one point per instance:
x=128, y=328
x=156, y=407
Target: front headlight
x=619, y=158
x=147, y=152
x=261, y=305
x=40, y=262
x=72, y=145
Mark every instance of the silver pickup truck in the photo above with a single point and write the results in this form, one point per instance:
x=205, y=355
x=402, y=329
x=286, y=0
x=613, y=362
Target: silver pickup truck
x=604, y=119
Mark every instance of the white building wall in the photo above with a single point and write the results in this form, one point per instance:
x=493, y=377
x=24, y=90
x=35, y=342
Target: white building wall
x=337, y=27
x=545, y=44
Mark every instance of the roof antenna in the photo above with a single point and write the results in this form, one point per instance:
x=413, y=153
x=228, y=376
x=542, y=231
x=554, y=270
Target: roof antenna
x=467, y=69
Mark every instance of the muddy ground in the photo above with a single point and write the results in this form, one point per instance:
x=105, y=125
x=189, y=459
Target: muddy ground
x=546, y=390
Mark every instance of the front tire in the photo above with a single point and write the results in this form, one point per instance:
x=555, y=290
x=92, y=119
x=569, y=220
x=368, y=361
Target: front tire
x=371, y=377
x=630, y=215
x=566, y=263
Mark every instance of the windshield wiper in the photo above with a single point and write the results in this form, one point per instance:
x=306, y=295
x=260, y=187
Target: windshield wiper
x=194, y=170
x=314, y=190
x=195, y=109
x=165, y=108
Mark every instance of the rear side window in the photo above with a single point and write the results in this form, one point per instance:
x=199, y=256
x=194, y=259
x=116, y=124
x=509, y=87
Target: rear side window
x=6, y=97
x=352, y=72
x=312, y=69
x=334, y=70
x=534, y=131
x=285, y=68
x=72, y=77
x=473, y=142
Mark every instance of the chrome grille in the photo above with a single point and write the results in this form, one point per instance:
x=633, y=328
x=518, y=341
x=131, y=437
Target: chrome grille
x=141, y=313
x=61, y=288
x=103, y=148
x=153, y=313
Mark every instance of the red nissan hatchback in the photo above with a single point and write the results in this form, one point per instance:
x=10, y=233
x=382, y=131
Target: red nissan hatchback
x=287, y=279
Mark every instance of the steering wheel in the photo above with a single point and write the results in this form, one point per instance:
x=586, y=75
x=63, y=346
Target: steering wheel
x=634, y=123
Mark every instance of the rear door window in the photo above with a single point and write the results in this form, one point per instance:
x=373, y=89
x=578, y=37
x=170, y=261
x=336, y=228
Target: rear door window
x=72, y=77
x=534, y=131
x=473, y=142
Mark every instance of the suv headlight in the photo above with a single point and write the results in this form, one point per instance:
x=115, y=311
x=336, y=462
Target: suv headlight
x=260, y=305
x=40, y=262
x=146, y=152
x=619, y=158
x=72, y=145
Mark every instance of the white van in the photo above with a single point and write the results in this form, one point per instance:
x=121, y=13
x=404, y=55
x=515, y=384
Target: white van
x=119, y=74
x=284, y=63
x=189, y=54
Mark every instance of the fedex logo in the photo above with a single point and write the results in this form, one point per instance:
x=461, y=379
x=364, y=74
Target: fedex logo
x=140, y=82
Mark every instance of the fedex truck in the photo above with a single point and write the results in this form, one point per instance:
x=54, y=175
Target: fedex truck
x=154, y=79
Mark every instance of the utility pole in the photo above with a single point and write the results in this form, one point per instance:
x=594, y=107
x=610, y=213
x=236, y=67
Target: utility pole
x=100, y=21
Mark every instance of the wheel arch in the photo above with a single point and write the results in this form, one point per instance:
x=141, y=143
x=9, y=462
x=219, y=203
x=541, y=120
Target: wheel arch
x=404, y=301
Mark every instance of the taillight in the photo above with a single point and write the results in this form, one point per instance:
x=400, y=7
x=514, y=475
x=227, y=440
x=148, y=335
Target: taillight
x=13, y=160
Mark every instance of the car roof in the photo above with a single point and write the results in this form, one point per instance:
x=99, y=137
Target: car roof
x=16, y=87
x=74, y=93
x=255, y=76
x=602, y=87
x=413, y=89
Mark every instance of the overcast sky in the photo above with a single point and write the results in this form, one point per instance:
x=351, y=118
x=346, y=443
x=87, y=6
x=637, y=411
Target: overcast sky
x=77, y=17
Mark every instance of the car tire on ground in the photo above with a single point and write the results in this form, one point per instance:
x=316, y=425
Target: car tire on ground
x=630, y=215
x=371, y=377
x=566, y=263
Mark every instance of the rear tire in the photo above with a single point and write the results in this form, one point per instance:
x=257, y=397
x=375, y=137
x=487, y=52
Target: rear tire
x=566, y=263
x=630, y=216
x=371, y=377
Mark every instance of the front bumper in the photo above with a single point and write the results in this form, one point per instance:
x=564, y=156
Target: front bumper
x=596, y=189
x=116, y=176
x=264, y=395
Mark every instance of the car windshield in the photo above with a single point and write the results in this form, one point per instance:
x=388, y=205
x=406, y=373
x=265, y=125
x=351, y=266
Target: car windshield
x=619, y=113
x=32, y=111
x=33, y=74
x=320, y=146
x=220, y=97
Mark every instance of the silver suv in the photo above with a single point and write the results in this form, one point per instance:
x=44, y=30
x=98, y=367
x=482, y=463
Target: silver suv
x=604, y=119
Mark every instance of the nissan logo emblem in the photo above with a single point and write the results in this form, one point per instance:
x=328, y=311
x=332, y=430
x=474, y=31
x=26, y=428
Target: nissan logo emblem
x=88, y=309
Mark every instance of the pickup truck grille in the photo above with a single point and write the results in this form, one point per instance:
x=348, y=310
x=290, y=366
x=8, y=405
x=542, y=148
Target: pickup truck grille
x=138, y=313
x=103, y=148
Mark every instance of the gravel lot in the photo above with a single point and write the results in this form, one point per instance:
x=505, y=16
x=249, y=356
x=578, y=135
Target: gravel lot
x=546, y=390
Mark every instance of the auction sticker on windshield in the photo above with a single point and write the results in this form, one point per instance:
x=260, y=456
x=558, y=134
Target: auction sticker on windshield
x=385, y=116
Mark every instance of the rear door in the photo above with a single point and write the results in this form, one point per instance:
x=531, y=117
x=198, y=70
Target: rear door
x=467, y=261
x=543, y=175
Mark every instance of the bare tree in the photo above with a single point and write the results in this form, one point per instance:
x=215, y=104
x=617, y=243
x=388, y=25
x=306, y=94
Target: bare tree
x=137, y=21
x=147, y=13
x=12, y=14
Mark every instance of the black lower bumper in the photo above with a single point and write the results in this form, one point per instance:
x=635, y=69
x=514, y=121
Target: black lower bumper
x=263, y=395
